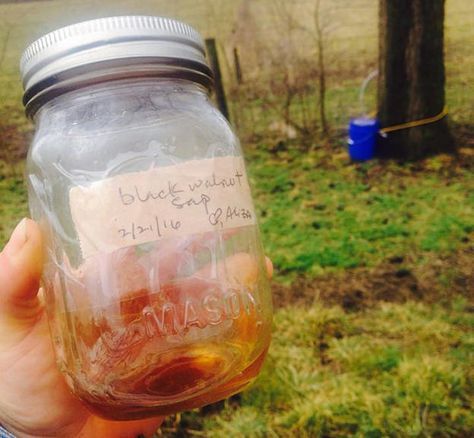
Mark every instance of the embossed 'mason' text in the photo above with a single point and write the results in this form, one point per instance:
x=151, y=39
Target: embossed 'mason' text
x=212, y=309
x=177, y=319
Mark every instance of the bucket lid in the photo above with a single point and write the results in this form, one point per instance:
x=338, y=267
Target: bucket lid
x=364, y=122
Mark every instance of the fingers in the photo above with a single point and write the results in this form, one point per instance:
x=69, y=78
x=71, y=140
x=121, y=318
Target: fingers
x=98, y=427
x=20, y=270
x=269, y=265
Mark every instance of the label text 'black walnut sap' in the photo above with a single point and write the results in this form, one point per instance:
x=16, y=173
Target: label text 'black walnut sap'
x=139, y=207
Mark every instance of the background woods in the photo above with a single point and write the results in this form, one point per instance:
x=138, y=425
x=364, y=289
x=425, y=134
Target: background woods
x=289, y=68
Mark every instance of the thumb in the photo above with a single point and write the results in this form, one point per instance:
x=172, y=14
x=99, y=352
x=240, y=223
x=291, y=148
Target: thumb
x=20, y=270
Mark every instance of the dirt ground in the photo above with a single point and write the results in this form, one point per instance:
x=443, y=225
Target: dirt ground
x=13, y=142
x=438, y=280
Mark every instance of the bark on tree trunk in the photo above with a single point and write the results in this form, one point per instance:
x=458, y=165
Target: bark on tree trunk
x=412, y=77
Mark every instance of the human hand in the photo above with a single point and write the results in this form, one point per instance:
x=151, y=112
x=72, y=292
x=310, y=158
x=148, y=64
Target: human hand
x=34, y=398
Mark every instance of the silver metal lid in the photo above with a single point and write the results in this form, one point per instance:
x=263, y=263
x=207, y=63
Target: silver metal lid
x=107, y=49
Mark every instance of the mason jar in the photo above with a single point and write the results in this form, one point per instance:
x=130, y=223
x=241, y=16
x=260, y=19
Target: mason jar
x=155, y=280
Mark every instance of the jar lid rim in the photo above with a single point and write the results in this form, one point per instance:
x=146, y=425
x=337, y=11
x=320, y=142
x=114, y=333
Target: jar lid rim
x=102, y=41
x=113, y=25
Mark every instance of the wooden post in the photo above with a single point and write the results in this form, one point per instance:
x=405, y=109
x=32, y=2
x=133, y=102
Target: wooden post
x=238, y=69
x=213, y=58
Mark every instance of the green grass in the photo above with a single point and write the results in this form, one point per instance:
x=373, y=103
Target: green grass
x=393, y=370
x=328, y=217
x=316, y=218
x=322, y=216
x=12, y=199
x=388, y=370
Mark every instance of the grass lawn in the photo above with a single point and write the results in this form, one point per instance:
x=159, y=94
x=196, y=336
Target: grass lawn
x=395, y=363
x=392, y=370
x=391, y=364
x=319, y=213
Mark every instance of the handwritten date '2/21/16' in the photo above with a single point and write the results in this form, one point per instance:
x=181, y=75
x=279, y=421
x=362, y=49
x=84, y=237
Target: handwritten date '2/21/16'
x=157, y=227
x=153, y=229
x=223, y=215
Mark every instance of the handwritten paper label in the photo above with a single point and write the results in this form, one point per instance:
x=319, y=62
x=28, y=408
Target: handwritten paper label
x=134, y=208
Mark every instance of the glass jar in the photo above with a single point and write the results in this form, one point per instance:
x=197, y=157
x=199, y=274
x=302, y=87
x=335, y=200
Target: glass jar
x=155, y=280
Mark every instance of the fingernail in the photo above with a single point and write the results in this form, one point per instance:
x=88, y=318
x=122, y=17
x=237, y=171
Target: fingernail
x=17, y=239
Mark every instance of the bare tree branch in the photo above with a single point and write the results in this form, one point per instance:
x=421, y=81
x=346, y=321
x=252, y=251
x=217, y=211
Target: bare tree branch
x=321, y=67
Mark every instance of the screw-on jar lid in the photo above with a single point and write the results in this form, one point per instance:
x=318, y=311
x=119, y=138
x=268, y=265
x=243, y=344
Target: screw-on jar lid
x=107, y=49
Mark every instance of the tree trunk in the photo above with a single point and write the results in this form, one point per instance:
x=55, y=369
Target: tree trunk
x=412, y=77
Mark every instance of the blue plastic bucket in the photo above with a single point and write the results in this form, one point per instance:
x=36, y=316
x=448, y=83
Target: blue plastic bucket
x=362, y=137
